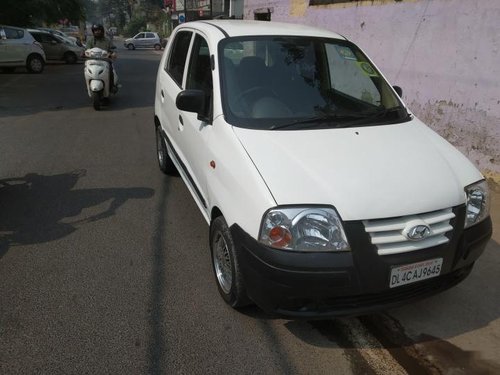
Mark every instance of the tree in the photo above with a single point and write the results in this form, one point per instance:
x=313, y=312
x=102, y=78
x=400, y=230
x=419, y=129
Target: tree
x=36, y=12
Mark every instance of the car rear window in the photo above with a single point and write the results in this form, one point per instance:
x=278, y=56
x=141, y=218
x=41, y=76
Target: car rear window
x=13, y=33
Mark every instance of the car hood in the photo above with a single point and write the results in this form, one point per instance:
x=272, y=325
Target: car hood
x=365, y=172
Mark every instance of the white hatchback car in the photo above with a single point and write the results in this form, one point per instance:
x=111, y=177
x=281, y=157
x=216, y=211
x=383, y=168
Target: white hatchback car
x=19, y=49
x=324, y=194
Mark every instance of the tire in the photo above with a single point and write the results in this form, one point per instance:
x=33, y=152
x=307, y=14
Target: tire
x=70, y=58
x=164, y=162
x=226, y=265
x=130, y=46
x=157, y=47
x=96, y=100
x=35, y=64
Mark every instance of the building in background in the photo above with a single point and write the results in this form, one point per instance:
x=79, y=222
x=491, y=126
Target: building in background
x=443, y=53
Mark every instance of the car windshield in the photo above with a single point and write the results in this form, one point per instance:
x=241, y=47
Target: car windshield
x=281, y=82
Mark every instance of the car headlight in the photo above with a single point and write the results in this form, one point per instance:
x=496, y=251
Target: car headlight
x=303, y=229
x=477, y=203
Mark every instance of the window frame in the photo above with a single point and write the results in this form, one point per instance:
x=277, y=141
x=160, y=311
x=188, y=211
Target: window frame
x=172, y=52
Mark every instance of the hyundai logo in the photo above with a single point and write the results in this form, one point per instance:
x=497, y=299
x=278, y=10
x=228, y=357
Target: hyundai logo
x=417, y=230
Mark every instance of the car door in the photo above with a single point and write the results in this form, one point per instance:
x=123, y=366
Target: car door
x=51, y=46
x=12, y=49
x=171, y=80
x=194, y=133
x=149, y=40
x=3, y=48
x=184, y=131
x=139, y=40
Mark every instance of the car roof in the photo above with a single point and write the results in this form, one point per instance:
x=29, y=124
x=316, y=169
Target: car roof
x=13, y=27
x=38, y=31
x=235, y=28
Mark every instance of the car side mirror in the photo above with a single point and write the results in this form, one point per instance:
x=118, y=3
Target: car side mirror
x=193, y=101
x=398, y=90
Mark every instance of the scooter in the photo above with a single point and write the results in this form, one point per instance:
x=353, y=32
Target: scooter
x=97, y=76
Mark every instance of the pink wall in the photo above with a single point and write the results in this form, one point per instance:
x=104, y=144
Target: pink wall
x=443, y=53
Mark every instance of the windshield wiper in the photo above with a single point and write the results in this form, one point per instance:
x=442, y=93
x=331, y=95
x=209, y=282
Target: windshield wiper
x=330, y=118
x=377, y=115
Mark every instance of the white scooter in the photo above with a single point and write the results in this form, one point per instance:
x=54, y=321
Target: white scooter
x=97, y=74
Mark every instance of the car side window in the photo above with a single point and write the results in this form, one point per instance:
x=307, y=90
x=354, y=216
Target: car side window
x=149, y=35
x=139, y=36
x=178, y=53
x=199, y=75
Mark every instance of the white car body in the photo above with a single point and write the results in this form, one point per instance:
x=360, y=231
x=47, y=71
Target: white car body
x=369, y=174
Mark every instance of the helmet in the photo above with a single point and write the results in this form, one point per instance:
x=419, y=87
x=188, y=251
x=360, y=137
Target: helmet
x=98, y=27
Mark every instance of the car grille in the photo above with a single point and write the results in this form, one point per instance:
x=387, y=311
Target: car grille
x=387, y=234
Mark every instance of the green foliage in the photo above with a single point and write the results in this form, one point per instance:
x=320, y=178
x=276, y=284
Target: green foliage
x=36, y=12
x=134, y=26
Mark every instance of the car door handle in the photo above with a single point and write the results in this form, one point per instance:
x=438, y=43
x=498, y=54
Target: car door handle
x=181, y=120
x=162, y=96
x=180, y=125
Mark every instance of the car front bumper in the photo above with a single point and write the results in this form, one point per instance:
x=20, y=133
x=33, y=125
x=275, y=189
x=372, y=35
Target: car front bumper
x=320, y=285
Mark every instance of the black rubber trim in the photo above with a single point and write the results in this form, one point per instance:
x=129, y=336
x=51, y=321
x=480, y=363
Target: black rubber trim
x=183, y=166
x=218, y=27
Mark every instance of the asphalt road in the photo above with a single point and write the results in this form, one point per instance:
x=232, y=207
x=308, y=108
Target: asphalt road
x=105, y=266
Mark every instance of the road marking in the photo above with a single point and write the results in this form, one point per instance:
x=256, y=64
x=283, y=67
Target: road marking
x=378, y=358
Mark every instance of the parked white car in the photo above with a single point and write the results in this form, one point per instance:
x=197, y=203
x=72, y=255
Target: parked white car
x=19, y=49
x=324, y=194
x=144, y=40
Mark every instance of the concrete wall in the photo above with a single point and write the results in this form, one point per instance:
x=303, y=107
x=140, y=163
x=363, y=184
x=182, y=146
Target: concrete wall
x=443, y=53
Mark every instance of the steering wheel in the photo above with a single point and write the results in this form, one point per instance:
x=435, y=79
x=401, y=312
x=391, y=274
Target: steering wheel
x=256, y=91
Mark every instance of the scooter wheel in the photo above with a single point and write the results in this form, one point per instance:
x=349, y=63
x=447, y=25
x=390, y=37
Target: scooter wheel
x=96, y=100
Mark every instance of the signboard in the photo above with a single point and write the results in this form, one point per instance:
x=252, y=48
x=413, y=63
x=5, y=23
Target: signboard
x=182, y=18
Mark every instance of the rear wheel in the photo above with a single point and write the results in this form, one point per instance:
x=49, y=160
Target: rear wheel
x=164, y=162
x=226, y=265
x=157, y=47
x=70, y=58
x=96, y=100
x=130, y=46
x=35, y=64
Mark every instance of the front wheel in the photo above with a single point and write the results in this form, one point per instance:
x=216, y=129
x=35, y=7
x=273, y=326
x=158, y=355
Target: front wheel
x=96, y=100
x=130, y=46
x=226, y=265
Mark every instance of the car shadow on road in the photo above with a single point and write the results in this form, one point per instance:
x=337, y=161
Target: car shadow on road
x=423, y=328
x=39, y=208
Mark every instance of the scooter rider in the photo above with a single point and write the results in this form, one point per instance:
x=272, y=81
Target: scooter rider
x=99, y=40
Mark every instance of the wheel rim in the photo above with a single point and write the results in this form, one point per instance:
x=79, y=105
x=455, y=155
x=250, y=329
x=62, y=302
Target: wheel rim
x=160, y=148
x=222, y=264
x=36, y=65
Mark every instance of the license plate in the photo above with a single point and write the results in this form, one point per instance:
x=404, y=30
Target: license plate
x=414, y=272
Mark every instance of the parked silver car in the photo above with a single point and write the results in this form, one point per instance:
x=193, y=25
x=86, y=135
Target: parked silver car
x=144, y=40
x=57, y=48
x=18, y=48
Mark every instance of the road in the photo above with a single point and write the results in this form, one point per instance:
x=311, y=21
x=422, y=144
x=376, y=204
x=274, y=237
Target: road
x=105, y=266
